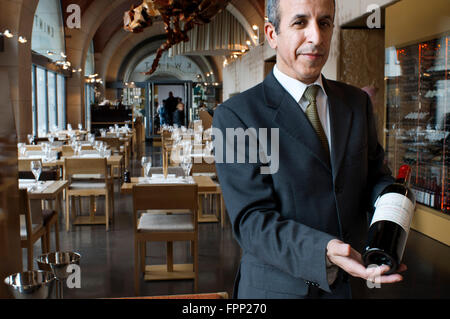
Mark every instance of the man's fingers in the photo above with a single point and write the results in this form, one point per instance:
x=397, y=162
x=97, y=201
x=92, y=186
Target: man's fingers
x=389, y=279
x=402, y=268
x=351, y=266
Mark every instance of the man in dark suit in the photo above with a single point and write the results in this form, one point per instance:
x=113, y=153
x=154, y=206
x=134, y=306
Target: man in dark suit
x=170, y=105
x=301, y=227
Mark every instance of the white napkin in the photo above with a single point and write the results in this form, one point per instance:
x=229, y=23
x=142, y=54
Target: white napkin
x=90, y=156
x=159, y=179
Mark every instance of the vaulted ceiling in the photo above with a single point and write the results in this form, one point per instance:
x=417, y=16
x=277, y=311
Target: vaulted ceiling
x=251, y=9
x=113, y=45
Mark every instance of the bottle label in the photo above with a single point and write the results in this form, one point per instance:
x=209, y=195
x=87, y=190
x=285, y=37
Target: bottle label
x=395, y=208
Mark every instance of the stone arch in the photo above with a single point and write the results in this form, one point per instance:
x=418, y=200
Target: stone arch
x=16, y=60
x=112, y=55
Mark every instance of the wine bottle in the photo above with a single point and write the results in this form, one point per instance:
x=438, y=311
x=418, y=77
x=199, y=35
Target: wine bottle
x=390, y=224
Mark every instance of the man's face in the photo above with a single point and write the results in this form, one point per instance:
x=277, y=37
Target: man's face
x=304, y=37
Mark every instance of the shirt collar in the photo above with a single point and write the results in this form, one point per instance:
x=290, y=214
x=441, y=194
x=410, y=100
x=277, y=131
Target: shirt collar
x=293, y=86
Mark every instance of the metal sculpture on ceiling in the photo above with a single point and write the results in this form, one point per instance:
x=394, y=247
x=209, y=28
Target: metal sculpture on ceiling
x=179, y=16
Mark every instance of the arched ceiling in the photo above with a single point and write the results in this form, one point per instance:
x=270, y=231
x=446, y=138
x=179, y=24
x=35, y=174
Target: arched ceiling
x=105, y=35
x=253, y=10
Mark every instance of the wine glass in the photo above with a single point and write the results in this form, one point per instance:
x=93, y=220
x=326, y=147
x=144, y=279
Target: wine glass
x=146, y=163
x=51, y=138
x=103, y=149
x=78, y=148
x=69, y=127
x=186, y=165
x=36, y=169
x=30, y=138
x=187, y=148
x=80, y=126
x=91, y=138
x=97, y=145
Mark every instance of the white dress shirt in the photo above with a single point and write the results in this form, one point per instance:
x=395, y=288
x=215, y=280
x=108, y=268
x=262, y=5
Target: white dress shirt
x=297, y=90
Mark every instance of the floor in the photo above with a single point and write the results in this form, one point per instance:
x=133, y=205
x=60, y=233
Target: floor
x=107, y=260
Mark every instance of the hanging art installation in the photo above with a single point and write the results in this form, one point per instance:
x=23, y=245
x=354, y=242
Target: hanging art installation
x=178, y=16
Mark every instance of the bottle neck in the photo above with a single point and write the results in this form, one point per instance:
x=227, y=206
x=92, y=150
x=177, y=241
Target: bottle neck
x=404, y=175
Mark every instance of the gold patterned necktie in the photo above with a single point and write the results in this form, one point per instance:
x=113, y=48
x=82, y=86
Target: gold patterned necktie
x=313, y=116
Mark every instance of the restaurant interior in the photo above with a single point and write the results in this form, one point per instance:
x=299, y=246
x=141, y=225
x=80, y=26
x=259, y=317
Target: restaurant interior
x=106, y=150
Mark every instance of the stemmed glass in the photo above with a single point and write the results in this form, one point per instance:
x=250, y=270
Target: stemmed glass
x=80, y=126
x=36, y=169
x=91, y=138
x=78, y=148
x=187, y=148
x=22, y=149
x=51, y=138
x=186, y=165
x=30, y=138
x=47, y=151
x=146, y=163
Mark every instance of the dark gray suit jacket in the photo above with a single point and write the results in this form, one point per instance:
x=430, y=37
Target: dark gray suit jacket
x=284, y=221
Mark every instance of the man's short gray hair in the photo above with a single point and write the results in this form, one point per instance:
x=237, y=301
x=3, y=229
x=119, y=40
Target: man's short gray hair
x=273, y=13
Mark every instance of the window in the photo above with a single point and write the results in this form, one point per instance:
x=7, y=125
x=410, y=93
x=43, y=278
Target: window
x=89, y=89
x=41, y=93
x=61, y=98
x=48, y=87
x=51, y=93
x=48, y=101
x=33, y=99
x=90, y=98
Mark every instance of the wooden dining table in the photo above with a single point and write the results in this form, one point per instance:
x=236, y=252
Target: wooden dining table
x=112, y=161
x=206, y=186
x=46, y=191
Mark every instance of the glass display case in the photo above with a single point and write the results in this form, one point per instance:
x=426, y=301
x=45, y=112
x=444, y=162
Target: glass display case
x=418, y=118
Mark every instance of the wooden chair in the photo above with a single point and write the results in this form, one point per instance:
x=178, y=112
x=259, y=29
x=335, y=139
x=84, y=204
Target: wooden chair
x=24, y=165
x=206, y=119
x=33, y=148
x=165, y=227
x=24, y=169
x=50, y=218
x=103, y=186
x=30, y=230
x=203, y=168
x=87, y=148
x=67, y=151
x=119, y=146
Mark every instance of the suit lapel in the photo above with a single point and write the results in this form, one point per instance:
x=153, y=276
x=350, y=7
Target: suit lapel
x=341, y=116
x=290, y=118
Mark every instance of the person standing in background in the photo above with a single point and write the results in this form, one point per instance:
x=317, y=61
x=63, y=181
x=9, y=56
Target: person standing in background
x=178, y=115
x=170, y=105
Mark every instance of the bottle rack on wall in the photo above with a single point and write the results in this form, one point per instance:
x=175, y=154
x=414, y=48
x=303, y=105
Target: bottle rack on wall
x=418, y=122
